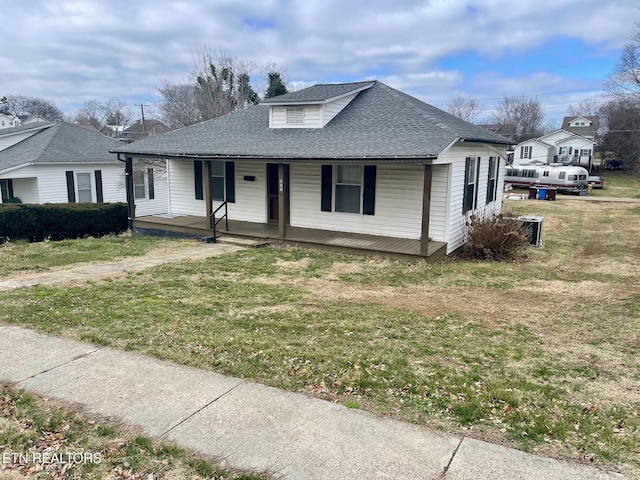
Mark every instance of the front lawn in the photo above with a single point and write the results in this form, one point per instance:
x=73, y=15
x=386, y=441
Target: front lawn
x=542, y=355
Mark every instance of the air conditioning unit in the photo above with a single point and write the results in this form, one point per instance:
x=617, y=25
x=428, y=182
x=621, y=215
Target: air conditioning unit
x=533, y=224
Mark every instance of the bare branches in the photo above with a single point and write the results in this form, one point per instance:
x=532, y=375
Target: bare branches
x=465, y=108
x=523, y=115
x=21, y=105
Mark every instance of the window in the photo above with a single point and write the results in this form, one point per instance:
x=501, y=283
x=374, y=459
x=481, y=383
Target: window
x=6, y=189
x=546, y=173
x=138, y=184
x=492, y=181
x=562, y=175
x=472, y=168
x=222, y=181
x=295, y=115
x=526, y=151
x=348, y=187
x=83, y=181
x=585, y=152
x=217, y=180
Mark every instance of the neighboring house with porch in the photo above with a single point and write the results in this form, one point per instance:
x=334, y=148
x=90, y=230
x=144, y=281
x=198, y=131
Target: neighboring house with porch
x=560, y=146
x=357, y=166
x=8, y=120
x=59, y=163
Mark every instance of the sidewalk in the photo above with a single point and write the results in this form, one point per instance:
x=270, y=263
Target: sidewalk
x=257, y=427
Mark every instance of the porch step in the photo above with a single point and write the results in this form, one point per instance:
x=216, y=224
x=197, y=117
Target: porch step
x=243, y=242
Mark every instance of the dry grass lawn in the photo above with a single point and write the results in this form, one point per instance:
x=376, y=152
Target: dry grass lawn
x=542, y=354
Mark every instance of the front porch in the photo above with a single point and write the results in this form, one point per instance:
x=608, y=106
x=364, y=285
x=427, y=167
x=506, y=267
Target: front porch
x=353, y=243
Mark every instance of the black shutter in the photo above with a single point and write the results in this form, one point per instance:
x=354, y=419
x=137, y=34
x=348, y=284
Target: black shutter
x=10, y=188
x=197, y=179
x=475, y=187
x=71, y=188
x=230, y=181
x=369, y=195
x=465, y=199
x=99, y=194
x=152, y=189
x=326, y=185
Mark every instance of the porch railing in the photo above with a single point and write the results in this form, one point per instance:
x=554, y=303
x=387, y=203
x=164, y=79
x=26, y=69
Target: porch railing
x=215, y=222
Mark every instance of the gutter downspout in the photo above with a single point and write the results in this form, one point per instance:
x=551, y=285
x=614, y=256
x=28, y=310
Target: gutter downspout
x=128, y=181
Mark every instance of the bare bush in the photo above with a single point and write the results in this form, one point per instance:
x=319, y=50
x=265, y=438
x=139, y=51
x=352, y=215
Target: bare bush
x=498, y=237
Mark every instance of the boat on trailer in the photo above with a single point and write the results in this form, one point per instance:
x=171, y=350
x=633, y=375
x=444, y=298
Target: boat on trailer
x=564, y=178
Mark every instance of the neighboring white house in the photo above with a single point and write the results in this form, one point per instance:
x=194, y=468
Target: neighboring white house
x=8, y=121
x=58, y=163
x=560, y=146
x=330, y=161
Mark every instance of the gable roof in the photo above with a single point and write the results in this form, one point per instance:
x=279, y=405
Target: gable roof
x=59, y=143
x=584, y=130
x=380, y=122
x=22, y=128
x=320, y=93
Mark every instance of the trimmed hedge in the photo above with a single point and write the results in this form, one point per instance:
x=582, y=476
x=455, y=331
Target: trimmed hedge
x=59, y=221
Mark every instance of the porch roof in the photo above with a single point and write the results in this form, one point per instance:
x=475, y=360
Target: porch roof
x=380, y=123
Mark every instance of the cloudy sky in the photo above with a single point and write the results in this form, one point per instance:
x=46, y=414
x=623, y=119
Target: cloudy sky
x=561, y=51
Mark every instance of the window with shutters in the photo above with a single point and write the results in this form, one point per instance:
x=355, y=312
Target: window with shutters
x=217, y=180
x=469, y=201
x=83, y=187
x=492, y=181
x=348, y=187
x=138, y=185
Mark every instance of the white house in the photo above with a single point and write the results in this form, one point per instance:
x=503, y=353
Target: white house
x=8, y=121
x=59, y=163
x=357, y=165
x=560, y=146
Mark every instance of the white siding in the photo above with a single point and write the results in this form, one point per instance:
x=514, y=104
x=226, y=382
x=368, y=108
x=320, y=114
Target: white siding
x=251, y=197
x=160, y=202
x=398, y=206
x=182, y=200
x=52, y=181
x=26, y=189
x=457, y=155
x=438, y=213
x=312, y=116
x=331, y=109
x=250, y=204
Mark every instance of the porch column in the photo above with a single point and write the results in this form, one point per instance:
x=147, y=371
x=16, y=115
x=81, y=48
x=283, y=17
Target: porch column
x=128, y=186
x=426, y=207
x=282, y=208
x=207, y=193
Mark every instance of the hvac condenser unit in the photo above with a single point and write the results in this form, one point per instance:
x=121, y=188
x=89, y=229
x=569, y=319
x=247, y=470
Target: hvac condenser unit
x=533, y=225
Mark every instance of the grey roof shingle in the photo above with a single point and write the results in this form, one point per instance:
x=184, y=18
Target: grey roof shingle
x=380, y=122
x=317, y=93
x=22, y=128
x=60, y=143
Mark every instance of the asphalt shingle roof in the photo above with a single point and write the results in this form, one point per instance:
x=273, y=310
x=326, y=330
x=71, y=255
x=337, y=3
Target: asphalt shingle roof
x=317, y=93
x=380, y=122
x=60, y=143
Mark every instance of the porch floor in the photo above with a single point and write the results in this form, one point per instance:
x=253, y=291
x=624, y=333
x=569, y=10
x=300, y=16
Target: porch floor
x=324, y=239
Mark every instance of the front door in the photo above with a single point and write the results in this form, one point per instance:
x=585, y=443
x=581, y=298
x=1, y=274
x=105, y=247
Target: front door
x=273, y=189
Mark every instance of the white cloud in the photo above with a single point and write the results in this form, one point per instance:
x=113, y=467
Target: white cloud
x=68, y=51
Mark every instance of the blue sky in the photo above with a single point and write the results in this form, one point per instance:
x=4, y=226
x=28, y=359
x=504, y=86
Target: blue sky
x=560, y=51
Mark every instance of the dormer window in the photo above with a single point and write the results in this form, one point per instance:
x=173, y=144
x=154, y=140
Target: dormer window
x=295, y=115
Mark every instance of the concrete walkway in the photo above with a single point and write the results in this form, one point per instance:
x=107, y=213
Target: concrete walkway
x=256, y=427
x=95, y=270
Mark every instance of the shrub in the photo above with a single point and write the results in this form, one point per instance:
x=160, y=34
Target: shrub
x=496, y=237
x=59, y=221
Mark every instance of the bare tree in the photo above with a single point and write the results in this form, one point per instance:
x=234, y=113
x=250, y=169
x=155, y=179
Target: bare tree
x=21, y=105
x=218, y=86
x=116, y=114
x=625, y=78
x=179, y=105
x=465, y=108
x=522, y=114
x=91, y=113
x=222, y=84
x=588, y=107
